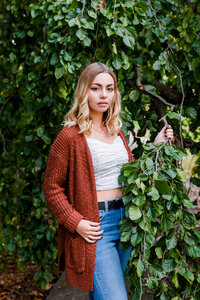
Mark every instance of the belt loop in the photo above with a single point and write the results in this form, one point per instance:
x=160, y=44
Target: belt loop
x=106, y=206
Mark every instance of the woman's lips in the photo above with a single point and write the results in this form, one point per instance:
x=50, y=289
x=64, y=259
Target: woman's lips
x=102, y=103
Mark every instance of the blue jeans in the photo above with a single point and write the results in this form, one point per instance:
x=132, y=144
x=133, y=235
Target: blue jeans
x=111, y=260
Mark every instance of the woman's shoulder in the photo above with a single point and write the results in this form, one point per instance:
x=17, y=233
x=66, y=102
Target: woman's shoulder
x=66, y=136
x=69, y=132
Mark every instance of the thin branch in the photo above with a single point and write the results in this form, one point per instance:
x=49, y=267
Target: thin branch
x=157, y=153
x=4, y=143
x=175, y=66
x=96, y=39
x=142, y=87
x=4, y=104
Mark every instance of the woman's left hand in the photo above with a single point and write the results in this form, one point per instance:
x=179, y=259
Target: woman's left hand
x=165, y=134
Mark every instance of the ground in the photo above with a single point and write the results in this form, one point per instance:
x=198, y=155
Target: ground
x=19, y=284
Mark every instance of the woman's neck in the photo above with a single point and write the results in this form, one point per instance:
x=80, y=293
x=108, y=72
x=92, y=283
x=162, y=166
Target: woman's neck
x=97, y=120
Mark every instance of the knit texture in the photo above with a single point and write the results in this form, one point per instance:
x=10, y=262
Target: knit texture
x=70, y=191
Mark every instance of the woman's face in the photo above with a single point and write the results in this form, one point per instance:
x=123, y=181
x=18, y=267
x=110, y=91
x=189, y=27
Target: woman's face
x=101, y=93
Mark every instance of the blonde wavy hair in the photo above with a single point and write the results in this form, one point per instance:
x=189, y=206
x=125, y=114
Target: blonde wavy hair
x=79, y=114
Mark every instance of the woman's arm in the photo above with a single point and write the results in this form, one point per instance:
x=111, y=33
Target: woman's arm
x=54, y=190
x=55, y=182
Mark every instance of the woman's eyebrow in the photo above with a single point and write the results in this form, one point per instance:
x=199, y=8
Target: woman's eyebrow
x=101, y=84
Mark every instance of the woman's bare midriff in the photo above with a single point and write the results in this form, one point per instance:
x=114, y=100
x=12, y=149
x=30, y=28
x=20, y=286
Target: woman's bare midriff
x=109, y=194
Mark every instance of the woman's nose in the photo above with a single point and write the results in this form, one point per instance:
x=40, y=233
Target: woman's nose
x=103, y=93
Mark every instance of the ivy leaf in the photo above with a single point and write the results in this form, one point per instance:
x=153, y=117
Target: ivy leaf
x=134, y=213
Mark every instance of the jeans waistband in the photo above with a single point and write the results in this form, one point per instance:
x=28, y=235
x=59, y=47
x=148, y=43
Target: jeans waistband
x=111, y=204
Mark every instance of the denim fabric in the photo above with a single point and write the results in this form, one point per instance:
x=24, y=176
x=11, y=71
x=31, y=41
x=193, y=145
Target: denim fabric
x=111, y=260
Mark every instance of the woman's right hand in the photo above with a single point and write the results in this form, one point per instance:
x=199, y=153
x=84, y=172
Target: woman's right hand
x=89, y=231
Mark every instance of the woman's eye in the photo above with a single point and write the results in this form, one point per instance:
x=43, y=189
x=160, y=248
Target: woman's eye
x=110, y=89
x=94, y=89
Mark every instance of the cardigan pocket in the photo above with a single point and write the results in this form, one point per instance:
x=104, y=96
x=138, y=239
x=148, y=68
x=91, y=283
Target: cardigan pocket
x=75, y=254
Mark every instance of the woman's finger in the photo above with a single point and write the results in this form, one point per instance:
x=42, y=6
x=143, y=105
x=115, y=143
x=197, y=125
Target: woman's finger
x=94, y=228
x=96, y=233
x=91, y=237
x=93, y=223
x=89, y=240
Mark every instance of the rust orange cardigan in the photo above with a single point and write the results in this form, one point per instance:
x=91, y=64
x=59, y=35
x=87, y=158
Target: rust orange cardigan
x=70, y=191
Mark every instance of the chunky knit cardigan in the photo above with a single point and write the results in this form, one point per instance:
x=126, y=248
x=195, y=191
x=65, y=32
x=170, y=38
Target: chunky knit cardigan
x=70, y=191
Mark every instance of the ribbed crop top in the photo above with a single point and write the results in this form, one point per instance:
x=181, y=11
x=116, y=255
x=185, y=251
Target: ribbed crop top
x=107, y=162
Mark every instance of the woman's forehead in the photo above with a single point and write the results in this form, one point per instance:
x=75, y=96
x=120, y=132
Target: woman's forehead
x=103, y=78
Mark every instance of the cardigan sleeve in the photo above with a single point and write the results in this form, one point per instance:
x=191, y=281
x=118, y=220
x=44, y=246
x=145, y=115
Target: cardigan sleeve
x=55, y=182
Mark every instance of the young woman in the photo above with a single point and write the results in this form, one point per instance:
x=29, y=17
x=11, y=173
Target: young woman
x=82, y=190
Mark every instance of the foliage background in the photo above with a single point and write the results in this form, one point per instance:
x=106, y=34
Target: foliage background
x=153, y=47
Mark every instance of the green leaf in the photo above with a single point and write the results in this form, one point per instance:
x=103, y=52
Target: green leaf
x=190, y=112
x=145, y=224
x=153, y=193
x=87, y=41
x=139, y=200
x=193, y=251
x=171, y=242
x=182, y=174
x=188, y=203
x=136, y=238
x=140, y=267
x=168, y=265
x=134, y=95
x=92, y=14
x=173, y=115
x=117, y=63
x=47, y=276
x=125, y=236
x=175, y=280
x=159, y=252
x=156, y=270
x=163, y=187
x=46, y=139
x=40, y=131
x=59, y=72
x=189, y=239
x=157, y=65
x=129, y=41
x=81, y=34
x=134, y=213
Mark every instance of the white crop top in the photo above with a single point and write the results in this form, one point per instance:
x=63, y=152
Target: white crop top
x=107, y=161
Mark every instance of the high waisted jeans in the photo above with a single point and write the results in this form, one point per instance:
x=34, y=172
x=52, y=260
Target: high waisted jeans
x=111, y=260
